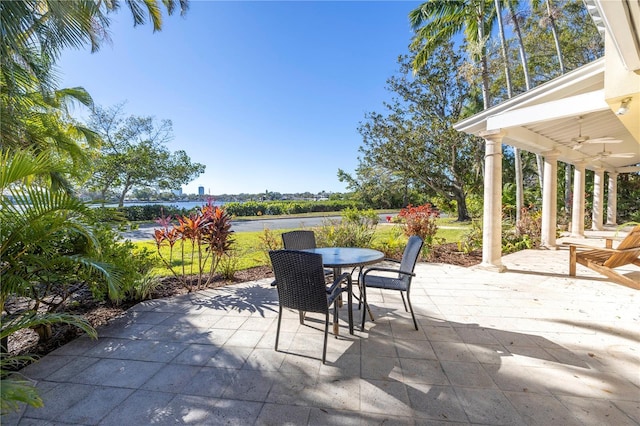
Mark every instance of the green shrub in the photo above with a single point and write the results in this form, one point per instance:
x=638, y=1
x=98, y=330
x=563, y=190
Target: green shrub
x=256, y=208
x=356, y=229
x=472, y=240
x=229, y=265
x=526, y=234
x=392, y=244
x=269, y=241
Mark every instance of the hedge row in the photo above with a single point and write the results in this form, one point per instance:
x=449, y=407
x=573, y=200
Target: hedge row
x=249, y=208
x=259, y=208
x=141, y=213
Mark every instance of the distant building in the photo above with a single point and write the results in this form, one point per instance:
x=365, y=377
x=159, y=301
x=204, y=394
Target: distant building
x=201, y=190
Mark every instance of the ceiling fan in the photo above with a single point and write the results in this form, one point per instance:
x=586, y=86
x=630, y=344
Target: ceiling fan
x=578, y=142
x=608, y=154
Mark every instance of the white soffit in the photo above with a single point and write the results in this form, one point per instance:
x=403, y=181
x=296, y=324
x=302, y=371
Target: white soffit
x=587, y=79
x=572, y=106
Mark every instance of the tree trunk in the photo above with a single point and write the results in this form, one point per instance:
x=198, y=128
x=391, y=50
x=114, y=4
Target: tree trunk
x=486, y=96
x=540, y=163
x=519, y=183
x=523, y=53
x=567, y=189
x=554, y=31
x=516, y=152
x=503, y=44
x=463, y=212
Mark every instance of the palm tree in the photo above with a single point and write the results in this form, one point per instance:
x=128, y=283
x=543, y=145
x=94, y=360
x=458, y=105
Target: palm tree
x=436, y=22
x=516, y=152
x=519, y=178
x=53, y=25
x=550, y=21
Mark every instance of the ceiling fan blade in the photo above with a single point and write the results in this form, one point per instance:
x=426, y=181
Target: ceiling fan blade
x=608, y=154
x=623, y=155
x=606, y=139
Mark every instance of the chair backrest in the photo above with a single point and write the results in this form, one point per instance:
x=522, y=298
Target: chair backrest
x=410, y=256
x=631, y=241
x=300, y=280
x=299, y=240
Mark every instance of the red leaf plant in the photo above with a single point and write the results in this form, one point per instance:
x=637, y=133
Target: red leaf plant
x=421, y=221
x=207, y=233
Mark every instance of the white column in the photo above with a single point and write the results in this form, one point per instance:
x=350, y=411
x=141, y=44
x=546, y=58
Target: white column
x=577, y=210
x=612, y=199
x=598, y=198
x=549, y=199
x=492, y=209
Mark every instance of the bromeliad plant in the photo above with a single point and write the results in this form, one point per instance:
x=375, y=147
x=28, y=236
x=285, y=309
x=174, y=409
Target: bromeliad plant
x=201, y=239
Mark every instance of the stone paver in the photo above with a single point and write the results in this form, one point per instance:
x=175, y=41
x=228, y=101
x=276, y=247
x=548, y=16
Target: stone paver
x=529, y=346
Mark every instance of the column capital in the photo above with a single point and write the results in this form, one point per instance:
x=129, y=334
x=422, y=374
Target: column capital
x=580, y=163
x=613, y=174
x=552, y=154
x=493, y=135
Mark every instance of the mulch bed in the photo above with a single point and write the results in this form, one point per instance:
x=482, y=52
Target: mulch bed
x=27, y=342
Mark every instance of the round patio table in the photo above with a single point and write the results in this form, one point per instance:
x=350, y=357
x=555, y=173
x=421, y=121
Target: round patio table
x=347, y=257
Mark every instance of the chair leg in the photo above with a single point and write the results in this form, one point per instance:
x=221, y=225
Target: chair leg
x=415, y=323
x=363, y=299
x=326, y=334
x=278, y=329
x=572, y=261
x=403, y=302
x=336, y=326
x=301, y=316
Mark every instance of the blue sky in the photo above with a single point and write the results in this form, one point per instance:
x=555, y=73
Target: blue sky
x=268, y=95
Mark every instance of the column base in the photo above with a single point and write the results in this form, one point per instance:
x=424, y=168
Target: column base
x=491, y=267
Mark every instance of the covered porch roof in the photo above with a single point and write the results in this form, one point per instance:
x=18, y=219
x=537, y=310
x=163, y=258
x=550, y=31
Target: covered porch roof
x=552, y=115
x=584, y=102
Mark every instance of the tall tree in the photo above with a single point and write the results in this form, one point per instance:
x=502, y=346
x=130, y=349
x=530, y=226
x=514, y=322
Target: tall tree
x=133, y=154
x=514, y=18
x=415, y=137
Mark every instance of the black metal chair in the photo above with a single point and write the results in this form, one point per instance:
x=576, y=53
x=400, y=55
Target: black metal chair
x=301, y=286
x=401, y=281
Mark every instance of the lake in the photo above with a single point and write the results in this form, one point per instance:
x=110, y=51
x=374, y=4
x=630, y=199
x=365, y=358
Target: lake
x=180, y=204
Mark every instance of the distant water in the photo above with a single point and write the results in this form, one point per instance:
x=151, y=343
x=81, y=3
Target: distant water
x=180, y=204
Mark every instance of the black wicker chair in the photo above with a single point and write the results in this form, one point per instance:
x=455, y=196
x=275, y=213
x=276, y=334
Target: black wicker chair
x=301, y=286
x=400, y=282
x=299, y=240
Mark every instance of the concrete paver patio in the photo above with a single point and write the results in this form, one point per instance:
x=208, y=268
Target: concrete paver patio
x=530, y=346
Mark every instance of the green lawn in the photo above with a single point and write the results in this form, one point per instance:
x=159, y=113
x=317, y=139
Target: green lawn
x=250, y=248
